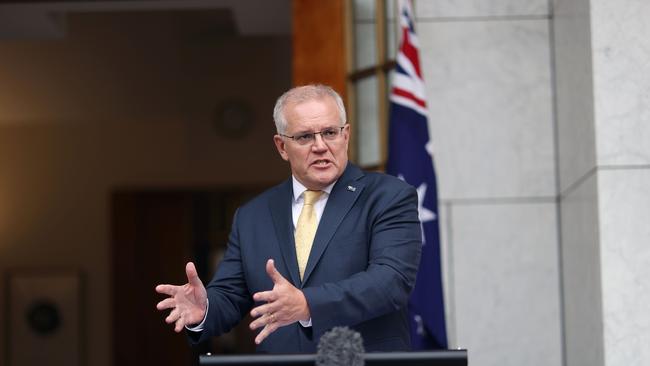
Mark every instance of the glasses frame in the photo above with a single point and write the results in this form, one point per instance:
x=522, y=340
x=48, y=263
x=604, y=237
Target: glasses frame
x=294, y=137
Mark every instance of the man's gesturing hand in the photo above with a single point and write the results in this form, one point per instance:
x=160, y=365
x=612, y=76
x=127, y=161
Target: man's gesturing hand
x=285, y=304
x=188, y=302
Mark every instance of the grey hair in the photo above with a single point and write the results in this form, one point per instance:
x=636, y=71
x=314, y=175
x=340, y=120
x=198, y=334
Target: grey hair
x=302, y=94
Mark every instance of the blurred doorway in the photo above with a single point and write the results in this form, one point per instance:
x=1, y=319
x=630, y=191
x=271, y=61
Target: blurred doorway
x=154, y=233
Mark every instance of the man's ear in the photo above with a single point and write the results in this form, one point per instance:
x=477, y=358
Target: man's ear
x=280, y=145
x=346, y=135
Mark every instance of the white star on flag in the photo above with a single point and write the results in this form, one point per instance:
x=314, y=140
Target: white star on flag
x=424, y=214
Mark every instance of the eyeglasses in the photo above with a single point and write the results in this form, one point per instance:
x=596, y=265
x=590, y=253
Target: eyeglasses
x=328, y=134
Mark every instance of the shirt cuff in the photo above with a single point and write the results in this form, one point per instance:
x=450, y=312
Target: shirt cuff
x=200, y=326
x=305, y=323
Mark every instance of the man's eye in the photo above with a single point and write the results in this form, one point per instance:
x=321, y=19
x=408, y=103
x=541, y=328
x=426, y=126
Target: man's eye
x=328, y=133
x=304, y=138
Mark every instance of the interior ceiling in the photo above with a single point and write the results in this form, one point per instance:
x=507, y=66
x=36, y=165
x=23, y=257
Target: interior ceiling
x=46, y=19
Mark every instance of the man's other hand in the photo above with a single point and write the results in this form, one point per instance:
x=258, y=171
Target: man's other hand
x=188, y=302
x=285, y=304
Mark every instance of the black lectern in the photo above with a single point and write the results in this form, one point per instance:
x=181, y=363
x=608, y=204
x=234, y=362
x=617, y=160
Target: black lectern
x=431, y=358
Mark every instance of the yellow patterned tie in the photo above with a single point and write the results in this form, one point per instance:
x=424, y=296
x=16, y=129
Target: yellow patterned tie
x=306, y=229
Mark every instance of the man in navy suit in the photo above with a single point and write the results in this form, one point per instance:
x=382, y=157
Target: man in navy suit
x=358, y=271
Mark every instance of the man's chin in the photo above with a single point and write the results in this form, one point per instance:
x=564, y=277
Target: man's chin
x=321, y=181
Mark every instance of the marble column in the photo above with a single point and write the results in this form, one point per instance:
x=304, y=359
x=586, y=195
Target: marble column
x=603, y=113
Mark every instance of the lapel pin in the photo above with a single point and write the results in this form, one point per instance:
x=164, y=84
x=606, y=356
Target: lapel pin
x=352, y=189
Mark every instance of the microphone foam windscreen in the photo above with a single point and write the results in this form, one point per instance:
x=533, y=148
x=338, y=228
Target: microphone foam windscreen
x=340, y=346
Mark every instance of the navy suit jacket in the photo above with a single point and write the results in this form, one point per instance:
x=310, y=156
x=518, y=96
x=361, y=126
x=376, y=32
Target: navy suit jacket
x=360, y=271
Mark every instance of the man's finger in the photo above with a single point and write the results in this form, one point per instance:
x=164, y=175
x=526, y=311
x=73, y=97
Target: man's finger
x=166, y=304
x=258, y=323
x=173, y=316
x=265, y=319
x=268, y=296
x=268, y=329
x=263, y=309
x=192, y=275
x=167, y=289
x=180, y=324
x=276, y=277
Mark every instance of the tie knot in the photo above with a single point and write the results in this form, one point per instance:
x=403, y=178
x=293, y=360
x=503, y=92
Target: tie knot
x=311, y=196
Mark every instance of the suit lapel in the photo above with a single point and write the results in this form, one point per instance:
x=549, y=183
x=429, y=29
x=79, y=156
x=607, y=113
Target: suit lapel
x=282, y=220
x=343, y=196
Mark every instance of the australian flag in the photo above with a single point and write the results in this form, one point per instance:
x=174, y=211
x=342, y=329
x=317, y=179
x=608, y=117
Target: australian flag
x=410, y=158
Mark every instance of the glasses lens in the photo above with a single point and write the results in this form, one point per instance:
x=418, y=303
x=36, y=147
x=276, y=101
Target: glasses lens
x=328, y=133
x=304, y=139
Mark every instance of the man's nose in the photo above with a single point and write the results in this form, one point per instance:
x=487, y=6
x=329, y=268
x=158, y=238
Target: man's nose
x=319, y=144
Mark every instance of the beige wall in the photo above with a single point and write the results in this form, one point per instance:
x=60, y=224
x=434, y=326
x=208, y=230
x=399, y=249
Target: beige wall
x=123, y=100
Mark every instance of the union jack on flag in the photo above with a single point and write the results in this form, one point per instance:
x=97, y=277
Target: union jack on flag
x=410, y=158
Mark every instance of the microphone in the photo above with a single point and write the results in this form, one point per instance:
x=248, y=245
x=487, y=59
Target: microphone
x=340, y=346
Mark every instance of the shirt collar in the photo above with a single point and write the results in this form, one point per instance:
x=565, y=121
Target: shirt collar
x=298, y=188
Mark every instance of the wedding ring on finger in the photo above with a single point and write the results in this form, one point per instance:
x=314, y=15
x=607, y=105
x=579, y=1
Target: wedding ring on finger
x=272, y=318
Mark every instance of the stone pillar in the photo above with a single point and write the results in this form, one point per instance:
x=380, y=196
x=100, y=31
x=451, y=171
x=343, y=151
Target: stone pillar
x=603, y=113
